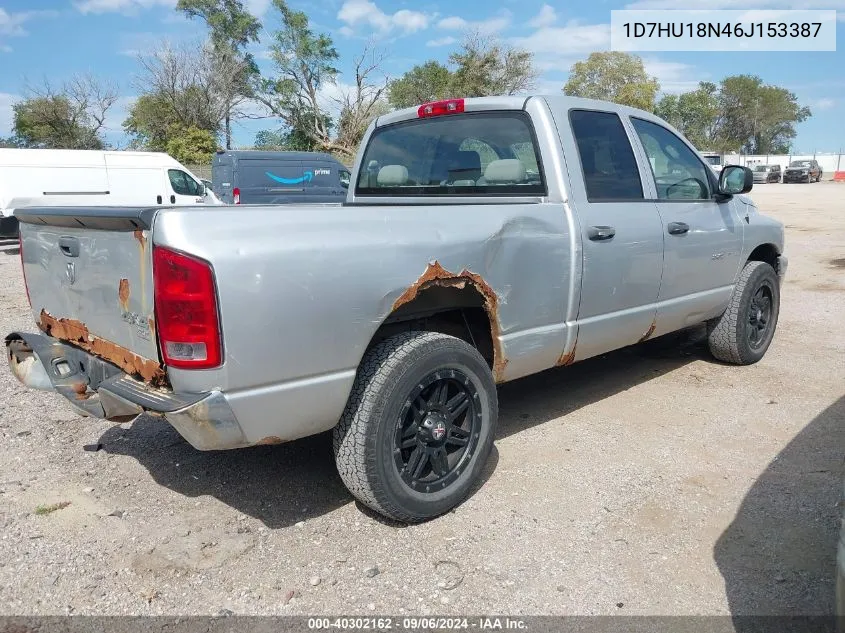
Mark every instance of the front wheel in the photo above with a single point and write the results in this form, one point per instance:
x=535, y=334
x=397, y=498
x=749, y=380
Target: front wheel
x=745, y=330
x=418, y=427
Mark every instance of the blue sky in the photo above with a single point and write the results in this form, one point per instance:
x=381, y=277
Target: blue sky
x=54, y=39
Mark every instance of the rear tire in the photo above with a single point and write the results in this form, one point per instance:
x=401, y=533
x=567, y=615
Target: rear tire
x=418, y=427
x=745, y=330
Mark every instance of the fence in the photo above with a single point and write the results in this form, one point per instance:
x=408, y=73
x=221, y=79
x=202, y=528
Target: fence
x=829, y=163
x=200, y=171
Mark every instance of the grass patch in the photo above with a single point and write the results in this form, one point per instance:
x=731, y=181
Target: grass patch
x=42, y=510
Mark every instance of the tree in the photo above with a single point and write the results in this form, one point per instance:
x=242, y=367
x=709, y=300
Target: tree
x=305, y=66
x=482, y=67
x=191, y=145
x=362, y=103
x=613, y=76
x=758, y=118
x=740, y=114
x=695, y=114
x=232, y=28
x=288, y=139
x=70, y=117
x=179, y=90
x=426, y=82
x=486, y=67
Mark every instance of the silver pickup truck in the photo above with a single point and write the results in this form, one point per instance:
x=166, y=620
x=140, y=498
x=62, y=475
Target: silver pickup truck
x=482, y=240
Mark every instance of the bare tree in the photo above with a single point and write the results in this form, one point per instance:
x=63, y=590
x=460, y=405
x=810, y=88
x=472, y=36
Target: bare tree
x=363, y=102
x=72, y=115
x=185, y=77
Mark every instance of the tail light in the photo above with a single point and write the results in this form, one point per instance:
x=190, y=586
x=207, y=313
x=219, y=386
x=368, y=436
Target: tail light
x=236, y=194
x=23, y=270
x=186, y=310
x=439, y=108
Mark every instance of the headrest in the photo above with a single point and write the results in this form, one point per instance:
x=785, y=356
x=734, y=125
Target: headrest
x=508, y=170
x=392, y=175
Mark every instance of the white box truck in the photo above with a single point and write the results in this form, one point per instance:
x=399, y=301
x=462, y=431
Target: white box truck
x=60, y=177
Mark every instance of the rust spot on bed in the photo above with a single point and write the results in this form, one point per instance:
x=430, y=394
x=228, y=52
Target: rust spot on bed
x=269, y=440
x=436, y=275
x=76, y=333
x=152, y=323
x=123, y=294
x=142, y=240
x=649, y=331
x=81, y=390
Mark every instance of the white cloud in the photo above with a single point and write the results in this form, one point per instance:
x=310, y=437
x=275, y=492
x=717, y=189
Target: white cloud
x=442, y=41
x=257, y=7
x=6, y=112
x=674, y=77
x=485, y=27
x=558, y=47
x=546, y=17
x=127, y=7
x=12, y=24
x=823, y=104
x=355, y=13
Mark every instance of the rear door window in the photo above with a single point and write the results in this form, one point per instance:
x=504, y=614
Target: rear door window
x=468, y=154
x=607, y=159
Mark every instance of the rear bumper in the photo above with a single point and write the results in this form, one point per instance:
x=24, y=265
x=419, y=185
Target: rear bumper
x=101, y=390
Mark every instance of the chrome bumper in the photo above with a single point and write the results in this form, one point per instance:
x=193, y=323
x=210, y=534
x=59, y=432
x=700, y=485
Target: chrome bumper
x=99, y=389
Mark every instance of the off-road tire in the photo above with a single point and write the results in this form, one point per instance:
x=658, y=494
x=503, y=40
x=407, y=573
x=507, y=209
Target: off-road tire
x=363, y=439
x=727, y=335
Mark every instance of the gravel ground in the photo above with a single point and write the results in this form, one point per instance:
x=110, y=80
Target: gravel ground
x=649, y=481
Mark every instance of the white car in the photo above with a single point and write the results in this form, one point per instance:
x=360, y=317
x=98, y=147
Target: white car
x=44, y=177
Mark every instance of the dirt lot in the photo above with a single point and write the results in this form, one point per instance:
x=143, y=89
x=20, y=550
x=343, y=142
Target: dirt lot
x=649, y=481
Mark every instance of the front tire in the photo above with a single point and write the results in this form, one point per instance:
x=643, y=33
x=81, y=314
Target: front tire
x=745, y=330
x=418, y=427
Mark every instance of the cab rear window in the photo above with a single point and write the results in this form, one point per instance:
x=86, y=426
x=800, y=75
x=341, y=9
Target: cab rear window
x=472, y=154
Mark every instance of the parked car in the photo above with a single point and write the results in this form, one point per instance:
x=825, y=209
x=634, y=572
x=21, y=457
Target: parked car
x=60, y=177
x=767, y=173
x=255, y=177
x=803, y=171
x=482, y=240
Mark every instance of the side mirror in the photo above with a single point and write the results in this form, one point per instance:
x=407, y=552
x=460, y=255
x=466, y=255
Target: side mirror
x=735, y=179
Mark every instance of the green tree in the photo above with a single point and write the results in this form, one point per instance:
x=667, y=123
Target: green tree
x=70, y=117
x=613, y=76
x=425, y=82
x=232, y=29
x=695, y=114
x=758, y=118
x=304, y=64
x=486, y=67
x=191, y=145
x=482, y=67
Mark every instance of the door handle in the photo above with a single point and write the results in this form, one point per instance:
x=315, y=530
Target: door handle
x=601, y=233
x=172, y=199
x=677, y=228
x=158, y=199
x=69, y=246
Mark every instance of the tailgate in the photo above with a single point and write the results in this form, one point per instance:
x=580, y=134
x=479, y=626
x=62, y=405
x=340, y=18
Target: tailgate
x=89, y=277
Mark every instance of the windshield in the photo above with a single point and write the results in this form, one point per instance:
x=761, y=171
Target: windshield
x=763, y=168
x=485, y=153
x=800, y=163
x=713, y=160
